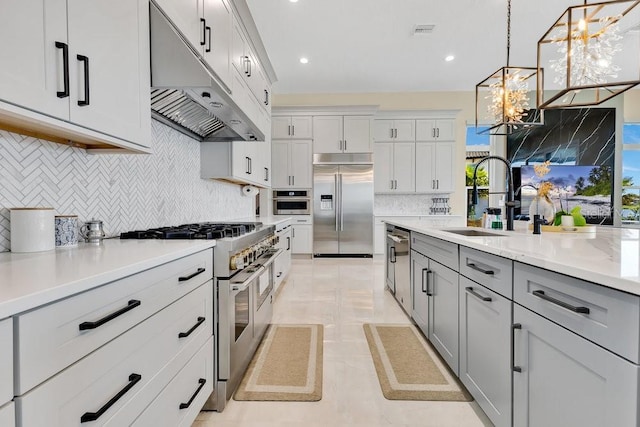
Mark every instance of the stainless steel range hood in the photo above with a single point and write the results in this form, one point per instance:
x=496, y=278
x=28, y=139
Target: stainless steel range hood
x=186, y=94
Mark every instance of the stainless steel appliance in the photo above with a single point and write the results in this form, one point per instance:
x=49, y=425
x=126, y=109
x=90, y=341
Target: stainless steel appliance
x=343, y=204
x=291, y=202
x=243, y=282
x=398, y=266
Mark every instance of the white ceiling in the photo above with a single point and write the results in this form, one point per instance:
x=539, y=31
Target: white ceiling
x=368, y=46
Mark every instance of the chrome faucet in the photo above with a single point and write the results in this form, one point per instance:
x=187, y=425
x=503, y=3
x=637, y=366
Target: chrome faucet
x=510, y=203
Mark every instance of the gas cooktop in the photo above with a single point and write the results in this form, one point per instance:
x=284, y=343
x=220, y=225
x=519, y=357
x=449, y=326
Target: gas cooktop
x=203, y=230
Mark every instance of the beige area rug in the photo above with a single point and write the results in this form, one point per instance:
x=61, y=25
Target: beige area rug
x=408, y=367
x=286, y=367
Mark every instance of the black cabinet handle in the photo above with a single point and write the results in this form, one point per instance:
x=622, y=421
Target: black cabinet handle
x=193, y=328
x=250, y=166
x=85, y=101
x=246, y=65
x=249, y=61
x=477, y=295
x=208, y=30
x=425, y=279
x=429, y=294
x=93, y=325
x=92, y=416
x=202, y=382
x=266, y=97
x=288, y=242
x=266, y=174
x=541, y=294
x=513, y=340
x=192, y=275
x=481, y=270
x=65, y=69
x=204, y=31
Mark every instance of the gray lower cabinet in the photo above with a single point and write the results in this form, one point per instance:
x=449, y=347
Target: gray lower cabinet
x=442, y=284
x=562, y=379
x=419, y=270
x=485, y=349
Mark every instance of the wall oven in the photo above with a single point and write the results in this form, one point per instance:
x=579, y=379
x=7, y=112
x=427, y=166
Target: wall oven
x=291, y=202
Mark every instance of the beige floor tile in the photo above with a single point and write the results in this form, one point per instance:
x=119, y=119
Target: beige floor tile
x=342, y=294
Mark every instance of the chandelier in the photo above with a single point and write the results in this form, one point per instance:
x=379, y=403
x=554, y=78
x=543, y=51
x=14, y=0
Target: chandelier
x=502, y=99
x=582, y=50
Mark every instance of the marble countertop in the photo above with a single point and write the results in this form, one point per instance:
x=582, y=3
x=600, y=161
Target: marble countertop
x=28, y=280
x=609, y=257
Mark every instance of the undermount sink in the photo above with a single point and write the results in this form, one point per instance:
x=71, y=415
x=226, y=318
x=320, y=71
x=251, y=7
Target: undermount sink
x=473, y=232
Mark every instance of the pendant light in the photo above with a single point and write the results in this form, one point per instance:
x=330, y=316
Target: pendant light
x=502, y=99
x=583, y=56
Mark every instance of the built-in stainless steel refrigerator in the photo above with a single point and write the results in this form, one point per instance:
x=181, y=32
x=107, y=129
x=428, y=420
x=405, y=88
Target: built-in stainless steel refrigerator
x=343, y=204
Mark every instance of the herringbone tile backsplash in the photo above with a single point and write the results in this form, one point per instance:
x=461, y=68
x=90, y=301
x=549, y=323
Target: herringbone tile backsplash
x=126, y=191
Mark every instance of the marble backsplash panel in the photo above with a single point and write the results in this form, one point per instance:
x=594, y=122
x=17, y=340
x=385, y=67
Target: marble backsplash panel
x=126, y=191
x=404, y=204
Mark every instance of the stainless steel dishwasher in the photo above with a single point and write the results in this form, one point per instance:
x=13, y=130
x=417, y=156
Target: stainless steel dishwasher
x=398, y=266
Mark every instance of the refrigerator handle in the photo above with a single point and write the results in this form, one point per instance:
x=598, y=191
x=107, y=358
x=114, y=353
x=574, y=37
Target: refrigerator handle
x=335, y=195
x=341, y=210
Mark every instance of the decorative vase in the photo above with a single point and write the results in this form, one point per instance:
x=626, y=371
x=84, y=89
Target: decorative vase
x=544, y=207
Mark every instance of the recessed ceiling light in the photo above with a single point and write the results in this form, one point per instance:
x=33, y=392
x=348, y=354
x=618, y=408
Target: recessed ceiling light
x=304, y=60
x=293, y=1
x=449, y=58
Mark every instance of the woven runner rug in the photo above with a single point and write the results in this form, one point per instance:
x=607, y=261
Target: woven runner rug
x=408, y=367
x=286, y=367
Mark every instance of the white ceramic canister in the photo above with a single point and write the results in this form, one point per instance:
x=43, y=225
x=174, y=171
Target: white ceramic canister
x=32, y=229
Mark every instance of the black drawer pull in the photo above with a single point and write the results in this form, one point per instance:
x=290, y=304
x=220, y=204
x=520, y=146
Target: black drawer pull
x=481, y=270
x=477, y=295
x=65, y=69
x=514, y=327
x=202, y=382
x=541, y=294
x=193, y=328
x=85, y=60
x=191, y=276
x=204, y=31
x=92, y=325
x=92, y=416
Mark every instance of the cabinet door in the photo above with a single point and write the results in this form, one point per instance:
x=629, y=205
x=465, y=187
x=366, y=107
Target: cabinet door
x=280, y=127
x=186, y=15
x=444, y=166
x=425, y=130
x=419, y=272
x=263, y=169
x=217, y=14
x=404, y=166
x=30, y=30
x=446, y=130
x=357, y=134
x=565, y=380
x=443, y=312
x=280, y=163
x=383, y=168
x=301, y=239
x=405, y=130
x=485, y=349
x=302, y=127
x=383, y=130
x=114, y=36
x=241, y=159
x=425, y=181
x=237, y=51
x=327, y=135
x=300, y=164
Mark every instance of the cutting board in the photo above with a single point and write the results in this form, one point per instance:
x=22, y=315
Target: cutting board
x=559, y=229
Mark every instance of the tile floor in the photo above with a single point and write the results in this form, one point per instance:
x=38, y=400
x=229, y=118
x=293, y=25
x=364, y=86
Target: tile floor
x=342, y=294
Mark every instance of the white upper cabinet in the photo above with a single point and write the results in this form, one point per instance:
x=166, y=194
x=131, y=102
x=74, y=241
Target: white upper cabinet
x=85, y=63
x=292, y=166
x=342, y=134
x=385, y=130
x=291, y=127
x=435, y=167
x=394, y=170
x=435, y=130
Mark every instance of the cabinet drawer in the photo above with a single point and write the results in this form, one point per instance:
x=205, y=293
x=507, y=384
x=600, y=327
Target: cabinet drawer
x=7, y=415
x=51, y=338
x=494, y=272
x=6, y=361
x=605, y=316
x=446, y=253
x=149, y=350
x=184, y=389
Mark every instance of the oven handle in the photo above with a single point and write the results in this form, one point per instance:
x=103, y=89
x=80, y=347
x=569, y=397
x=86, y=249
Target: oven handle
x=239, y=287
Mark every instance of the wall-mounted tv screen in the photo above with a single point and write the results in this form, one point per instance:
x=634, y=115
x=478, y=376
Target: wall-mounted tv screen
x=589, y=187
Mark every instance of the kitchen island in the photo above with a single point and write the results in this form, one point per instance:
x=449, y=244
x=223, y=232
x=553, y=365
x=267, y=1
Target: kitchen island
x=542, y=329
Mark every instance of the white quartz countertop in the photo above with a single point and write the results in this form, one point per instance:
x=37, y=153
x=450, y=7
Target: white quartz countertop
x=28, y=280
x=609, y=257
